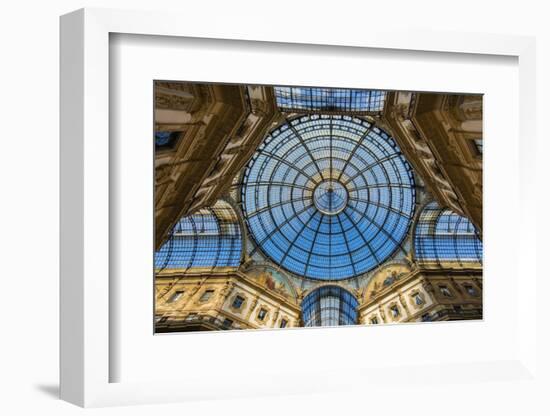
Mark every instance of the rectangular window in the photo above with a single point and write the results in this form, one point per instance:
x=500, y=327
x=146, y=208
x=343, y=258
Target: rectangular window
x=418, y=299
x=374, y=320
x=191, y=317
x=426, y=317
x=238, y=302
x=394, y=311
x=284, y=323
x=470, y=290
x=175, y=296
x=227, y=323
x=206, y=295
x=166, y=139
x=479, y=146
x=445, y=291
x=262, y=314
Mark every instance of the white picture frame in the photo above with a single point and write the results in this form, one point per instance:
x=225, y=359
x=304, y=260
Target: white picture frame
x=87, y=356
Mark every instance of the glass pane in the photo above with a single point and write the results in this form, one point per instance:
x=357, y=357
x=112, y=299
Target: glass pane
x=296, y=99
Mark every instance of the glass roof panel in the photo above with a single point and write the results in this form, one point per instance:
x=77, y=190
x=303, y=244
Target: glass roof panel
x=441, y=236
x=328, y=197
x=318, y=99
x=210, y=238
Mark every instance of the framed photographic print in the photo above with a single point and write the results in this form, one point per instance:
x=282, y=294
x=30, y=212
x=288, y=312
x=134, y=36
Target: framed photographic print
x=286, y=206
x=294, y=212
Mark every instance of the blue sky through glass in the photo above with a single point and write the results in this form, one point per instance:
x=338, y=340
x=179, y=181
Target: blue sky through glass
x=210, y=238
x=361, y=164
x=443, y=236
x=329, y=99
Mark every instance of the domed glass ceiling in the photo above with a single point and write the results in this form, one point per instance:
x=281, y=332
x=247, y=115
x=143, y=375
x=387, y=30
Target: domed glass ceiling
x=328, y=197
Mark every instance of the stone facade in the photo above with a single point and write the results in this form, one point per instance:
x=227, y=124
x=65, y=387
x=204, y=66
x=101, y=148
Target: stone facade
x=422, y=296
x=218, y=128
x=229, y=300
x=441, y=135
x=221, y=300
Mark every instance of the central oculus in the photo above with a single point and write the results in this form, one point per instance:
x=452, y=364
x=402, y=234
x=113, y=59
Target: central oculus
x=330, y=197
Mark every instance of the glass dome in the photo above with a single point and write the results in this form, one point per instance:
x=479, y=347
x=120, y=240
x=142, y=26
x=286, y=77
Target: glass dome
x=328, y=197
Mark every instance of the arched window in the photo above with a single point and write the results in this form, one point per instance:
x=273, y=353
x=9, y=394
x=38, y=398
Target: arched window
x=329, y=306
x=441, y=236
x=210, y=238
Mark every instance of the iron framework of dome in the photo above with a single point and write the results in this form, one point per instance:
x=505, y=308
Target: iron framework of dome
x=328, y=197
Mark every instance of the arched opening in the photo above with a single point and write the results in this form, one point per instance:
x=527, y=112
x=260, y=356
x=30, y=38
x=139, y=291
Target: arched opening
x=209, y=238
x=442, y=237
x=329, y=306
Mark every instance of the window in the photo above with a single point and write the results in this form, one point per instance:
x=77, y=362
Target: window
x=426, y=317
x=262, y=314
x=227, y=323
x=457, y=308
x=395, y=311
x=470, y=290
x=238, y=302
x=162, y=320
x=284, y=323
x=445, y=291
x=191, y=317
x=479, y=146
x=166, y=139
x=374, y=320
x=418, y=299
x=206, y=295
x=175, y=296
